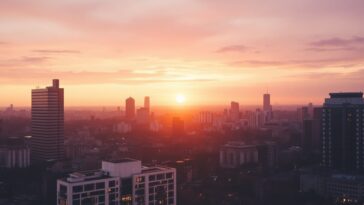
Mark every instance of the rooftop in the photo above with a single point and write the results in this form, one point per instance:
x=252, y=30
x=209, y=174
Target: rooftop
x=121, y=160
x=87, y=175
x=155, y=169
x=347, y=95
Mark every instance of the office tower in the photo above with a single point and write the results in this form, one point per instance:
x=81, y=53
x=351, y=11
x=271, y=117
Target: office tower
x=234, y=111
x=124, y=181
x=343, y=132
x=130, y=108
x=147, y=103
x=47, y=142
x=266, y=102
x=267, y=108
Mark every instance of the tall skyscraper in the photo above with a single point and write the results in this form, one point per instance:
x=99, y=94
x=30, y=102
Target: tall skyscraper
x=47, y=123
x=234, y=111
x=147, y=103
x=130, y=108
x=343, y=132
x=267, y=108
x=266, y=102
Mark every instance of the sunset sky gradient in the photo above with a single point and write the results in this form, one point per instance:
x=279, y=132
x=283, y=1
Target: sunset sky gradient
x=212, y=51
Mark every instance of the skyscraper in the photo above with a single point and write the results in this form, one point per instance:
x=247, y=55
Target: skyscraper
x=266, y=102
x=267, y=108
x=234, y=111
x=147, y=103
x=47, y=123
x=130, y=108
x=343, y=132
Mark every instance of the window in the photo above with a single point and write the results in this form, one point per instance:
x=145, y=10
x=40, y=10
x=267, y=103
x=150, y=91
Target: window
x=160, y=176
x=111, y=183
x=89, y=187
x=100, y=185
x=169, y=175
x=152, y=178
x=77, y=189
x=76, y=202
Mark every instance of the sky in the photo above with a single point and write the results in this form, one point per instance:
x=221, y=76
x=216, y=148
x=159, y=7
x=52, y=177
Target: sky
x=210, y=51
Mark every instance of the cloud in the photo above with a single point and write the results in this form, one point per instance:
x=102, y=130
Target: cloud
x=337, y=44
x=232, y=48
x=33, y=75
x=301, y=63
x=23, y=61
x=51, y=51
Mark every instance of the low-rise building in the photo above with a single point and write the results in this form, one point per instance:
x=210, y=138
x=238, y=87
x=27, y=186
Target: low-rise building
x=119, y=182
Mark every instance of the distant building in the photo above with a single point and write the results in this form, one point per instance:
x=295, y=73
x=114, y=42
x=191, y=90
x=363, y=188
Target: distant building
x=130, y=108
x=236, y=154
x=267, y=108
x=123, y=181
x=255, y=119
x=122, y=127
x=47, y=142
x=311, y=136
x=14, y=153
x=206, y=118
x=234, y=111
x=142, y=116
x=343, y=132
x=147, y=104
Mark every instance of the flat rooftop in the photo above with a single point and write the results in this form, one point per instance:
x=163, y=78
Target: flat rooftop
x=146, y=170
x=121, y=160
x=87, y=175
x=347, y=95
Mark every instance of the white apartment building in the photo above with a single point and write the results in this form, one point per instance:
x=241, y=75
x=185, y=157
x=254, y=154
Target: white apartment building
x=119, y=182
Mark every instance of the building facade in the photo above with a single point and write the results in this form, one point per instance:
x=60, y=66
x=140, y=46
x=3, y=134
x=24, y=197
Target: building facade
x=47, y=142
x=130, y=108
x=343, y=132
x=119, y=182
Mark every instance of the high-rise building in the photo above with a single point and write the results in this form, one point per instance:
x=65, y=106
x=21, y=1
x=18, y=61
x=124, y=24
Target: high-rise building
x=343, y=132
x=147, y=103
x=47, y=142
x=267, y=108
x=266, y=102
x=130, y=108
x=120, y=182
x=234, y=111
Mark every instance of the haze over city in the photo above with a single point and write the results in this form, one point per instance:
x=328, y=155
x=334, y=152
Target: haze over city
x=210, y=51
x=181, y=102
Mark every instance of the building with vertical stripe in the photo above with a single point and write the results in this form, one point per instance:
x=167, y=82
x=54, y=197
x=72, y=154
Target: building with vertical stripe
x=47, y=142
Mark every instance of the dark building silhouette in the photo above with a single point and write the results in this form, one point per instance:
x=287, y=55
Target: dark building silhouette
x=47, y=141
x=342, y=132
x=147, y=104
x=130, y=108
x=267, y=108
x=234, y=111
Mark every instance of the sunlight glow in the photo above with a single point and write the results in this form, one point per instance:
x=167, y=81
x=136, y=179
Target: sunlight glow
x=180, y=99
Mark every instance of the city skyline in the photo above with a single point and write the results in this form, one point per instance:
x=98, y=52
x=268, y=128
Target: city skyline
x=212, y=52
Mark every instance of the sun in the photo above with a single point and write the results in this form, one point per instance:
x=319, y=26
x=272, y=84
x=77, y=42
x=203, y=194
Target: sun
x=180, y=99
